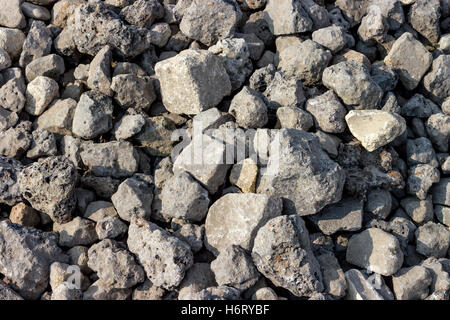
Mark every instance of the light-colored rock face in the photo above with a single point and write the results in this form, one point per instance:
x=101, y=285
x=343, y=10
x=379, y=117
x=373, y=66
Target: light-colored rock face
x=410, y=59
x=375, y=128
x=192, y=81
x=287, y=17
x=306, y=180
x=164, y=257
x=245, y=214
x=375, y=250
x=282, y=253
x=11, y=15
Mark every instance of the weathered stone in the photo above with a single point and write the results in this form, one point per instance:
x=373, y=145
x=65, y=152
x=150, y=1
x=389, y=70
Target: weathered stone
x=282, y=253
x=306, y=61
x=6, y=293
x=128, y=126
x=192, y=234
x=411, y=283
x=375, y=128
x=133, y=91
x=421, y=178
x=192, y=81
x=12, y=96
x=24, y=215
x=432, y=240
x=333, y=277
x=43, y=144
x=346, y=215
x=110, y=227
x=111, y=159
x=11, y=40
x=142, y=13
x=93, y=115
x=420, y=211
x=375, y=250
x=359, y=287
x=246, y=213
x=249, y=109
x=438, y=130
x=410, y=59
x=319, y=178
x=332, y=38
x=374, y=26
x=96, y=26
x=437, y=82
x=51, y=66
x=424, y=18
x=49, y=186
x=40, y=93
x=200, y=20
x=11, y=15
x=134, y=197
x=62, y=10
x=99, y=291
x=121, y=271
x=287, y=17
x=442, y=214
x=26, y=257
x=328, y=112
x=164, y=257
x=99, y=78
x=9, y=186
x=14, y=142
x=35, y=12
x=58, y=117
x=234, y=267
x=156, y=136
x=244, y=175
x=160, y=34
x=78, y=232
x=198, y=277
x=384, y=76
x=294, y=118
x=351, y=81
x=148, y=291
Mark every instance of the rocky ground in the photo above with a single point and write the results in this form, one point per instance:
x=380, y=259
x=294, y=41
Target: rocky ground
x=347, y=100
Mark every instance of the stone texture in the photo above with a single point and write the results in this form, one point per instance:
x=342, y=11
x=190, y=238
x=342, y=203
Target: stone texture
x=246, y=213
x=287, y=17
x=11, y=15
x=328, y=112
x=39, y=94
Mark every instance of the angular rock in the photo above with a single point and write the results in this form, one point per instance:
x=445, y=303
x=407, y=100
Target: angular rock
x=432, y=240
x=156, y=136
x=27, y=254
x=328, y=112
x=375, y=128
x=11, y=15
x=294, y=118
x=99, y=78
x=200, y=20
x=441, y=192
x=438, y=130
x=333, y=277
x=133, y=91
x=164, y=257
x=287, y=17
x=379, y=203
x=58, y=117
x=351, y=81
x=244, y=175
x=111, y=159
x=78, y=232
x=246, y=213
x=51, y=66
x=9, y=187
x=234, y=267
x=43, y=144
x=110, y=227
x=359, y=287
x=11, y=40
x=249, y=109
x=424, y=18
x=12, y=96
x=420, y=211
x=436, y=82
x=411, y=283
x=142, y=13
x=420, y=180
x=375, y=250
x=306, y=180
x=282, y=253
x=40, y=93
x=121, y=269
x=410, y=59
x=49, y=186
x=93, y=115
x=184, y=87
x=192, y=234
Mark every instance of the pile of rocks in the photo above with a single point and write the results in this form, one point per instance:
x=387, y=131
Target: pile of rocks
x=323, y=171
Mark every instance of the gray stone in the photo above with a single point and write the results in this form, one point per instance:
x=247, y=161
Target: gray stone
x=420, y=211
x=333, y=277
x=282, y=253
x=160, y=34
x=96, y=26
x=111, y=159
x=249, y=109
x=376, y=251
x=8, y=119
x=121, y=269
x=164, y=257
x=93, y=115
x=351, y=81
x=432, y=240
x=51, y=66
x=442, y=214
x=192, y=234
x=420, y=151
x=27, y=254
x=148, y=291
x=438, y=129
x=421, y=178
x=12, y=96
x=128, y=126
x=78, y=232
x=35, y=12
x=379, y=203
x=156, y=136
x=198, y=277
x=328, y=112
x=11, y=40
x=436, y=82
x=359, y=287
x=374, y=26
x=411, y=283
x=49, y=186
x=419, y=106
x=110, y=227
x=284, y=91
x=294, y=118
x=11, y=15
x=306, y=61
x=346, y=215
x=439, y=271
x=410, y=59
x=329, y=143
x=43, y=144
x=215, y=293
x=265, y=293
x=254, y=44
x=375, y=128
x=353, y=10
x=14, y=142
x=58, y=117
x=142, y=13
x=192, y=199
x=78, y=256
x=39, y=94
x=5, y=60
x=234, y=267
x=99, y=77
x=6, y=293
x=200, y=20
x=133, y=91
x=99, y=291
x=295, y=169
x=333, y=38
x=134, y=197
x=287, y=17
x=246, y=213
x=65, y=292
x=424, y=18
x=392, y=11
x=384, y=76
x=184, y=87
x=9, y=186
